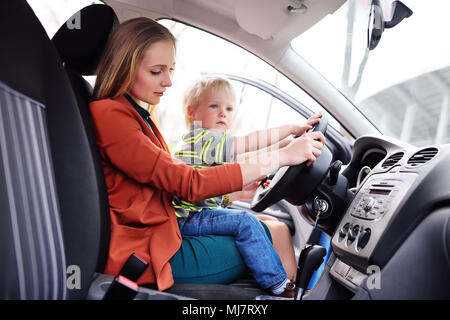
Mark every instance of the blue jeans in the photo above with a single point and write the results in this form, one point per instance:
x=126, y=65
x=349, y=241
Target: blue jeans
x=250, y=238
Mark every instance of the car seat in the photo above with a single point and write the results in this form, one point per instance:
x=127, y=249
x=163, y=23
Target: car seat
x=46, y=181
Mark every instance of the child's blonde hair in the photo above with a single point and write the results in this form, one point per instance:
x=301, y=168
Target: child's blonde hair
x=193, y=94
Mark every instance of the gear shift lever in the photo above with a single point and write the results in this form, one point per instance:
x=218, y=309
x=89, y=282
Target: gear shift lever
x=310, y=259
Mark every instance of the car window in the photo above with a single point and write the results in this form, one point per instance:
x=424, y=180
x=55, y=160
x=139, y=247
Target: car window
x=200, y=53
x=254, y=101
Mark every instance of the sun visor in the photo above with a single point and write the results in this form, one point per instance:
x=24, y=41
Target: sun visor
x=283, y=19
x=263, y=18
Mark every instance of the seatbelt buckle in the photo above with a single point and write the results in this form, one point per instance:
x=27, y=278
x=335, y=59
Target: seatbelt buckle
x=124, y=286
x=121, y=288
x=133, y=268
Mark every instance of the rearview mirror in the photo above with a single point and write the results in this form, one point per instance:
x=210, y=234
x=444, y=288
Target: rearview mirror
x=377, y=24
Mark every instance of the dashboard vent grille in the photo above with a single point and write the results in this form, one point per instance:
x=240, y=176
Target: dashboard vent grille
x=393, y=159
x=422, y=157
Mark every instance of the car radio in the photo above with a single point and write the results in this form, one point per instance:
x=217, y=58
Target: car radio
x=375, y=199
x=369, y=214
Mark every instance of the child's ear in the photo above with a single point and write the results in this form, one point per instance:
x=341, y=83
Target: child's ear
x=190, y=112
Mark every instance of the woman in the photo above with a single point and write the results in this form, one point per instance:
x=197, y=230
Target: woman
x=141, y=176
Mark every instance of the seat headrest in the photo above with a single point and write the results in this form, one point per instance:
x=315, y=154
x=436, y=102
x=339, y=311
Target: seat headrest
x=81, y=40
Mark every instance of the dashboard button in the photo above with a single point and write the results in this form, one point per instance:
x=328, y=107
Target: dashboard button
x=355, y=277
x=343, y=231
x=352, y=234
x=363, y=239
x=341, y=268
x=369, y=204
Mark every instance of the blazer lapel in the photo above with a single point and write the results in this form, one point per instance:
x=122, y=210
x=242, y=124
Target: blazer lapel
x=155, y=136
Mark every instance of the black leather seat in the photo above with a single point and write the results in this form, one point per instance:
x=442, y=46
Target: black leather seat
x=48, y=182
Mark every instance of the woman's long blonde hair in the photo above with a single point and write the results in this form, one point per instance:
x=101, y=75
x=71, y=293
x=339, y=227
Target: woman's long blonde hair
x=123, y=53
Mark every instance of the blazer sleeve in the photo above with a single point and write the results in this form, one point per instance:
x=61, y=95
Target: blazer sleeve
x=122, y=143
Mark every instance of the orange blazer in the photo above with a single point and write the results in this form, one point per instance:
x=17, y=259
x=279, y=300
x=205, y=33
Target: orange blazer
x=141, y=179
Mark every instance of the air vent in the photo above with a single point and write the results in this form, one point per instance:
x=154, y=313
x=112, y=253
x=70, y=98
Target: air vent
x=389, y=162
x=422, y=157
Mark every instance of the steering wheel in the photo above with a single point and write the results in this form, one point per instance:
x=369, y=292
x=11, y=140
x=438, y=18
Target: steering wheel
x=295, y=183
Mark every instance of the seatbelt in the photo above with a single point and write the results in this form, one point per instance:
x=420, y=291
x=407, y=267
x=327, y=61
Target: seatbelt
x=124, y=286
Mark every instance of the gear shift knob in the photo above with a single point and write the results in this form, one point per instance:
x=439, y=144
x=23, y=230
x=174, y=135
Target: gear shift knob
x=310, y=259
x=335, y=168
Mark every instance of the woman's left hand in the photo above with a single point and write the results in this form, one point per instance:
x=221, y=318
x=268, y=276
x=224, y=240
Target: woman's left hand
x=248, y=191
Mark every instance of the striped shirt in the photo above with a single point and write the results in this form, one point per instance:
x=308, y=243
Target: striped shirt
x=202, y=148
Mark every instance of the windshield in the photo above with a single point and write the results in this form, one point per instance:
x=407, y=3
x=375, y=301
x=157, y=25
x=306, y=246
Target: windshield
x=403, y=85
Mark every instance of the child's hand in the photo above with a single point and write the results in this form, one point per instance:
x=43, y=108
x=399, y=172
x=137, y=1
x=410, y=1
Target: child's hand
x=285, y=141
x=299, y=129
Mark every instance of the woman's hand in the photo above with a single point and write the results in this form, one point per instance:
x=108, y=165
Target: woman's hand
x=299, y=129
x=247, y=191
x=305, y=148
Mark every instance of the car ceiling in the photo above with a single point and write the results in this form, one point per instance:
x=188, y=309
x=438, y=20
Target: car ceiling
x=240, y=21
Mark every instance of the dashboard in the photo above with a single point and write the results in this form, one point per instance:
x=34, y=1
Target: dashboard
x=396, y=188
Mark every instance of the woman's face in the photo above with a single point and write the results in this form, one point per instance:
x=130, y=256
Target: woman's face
x=154, y=73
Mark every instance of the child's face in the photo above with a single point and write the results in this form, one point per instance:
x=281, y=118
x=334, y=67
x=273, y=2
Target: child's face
x=214, y=111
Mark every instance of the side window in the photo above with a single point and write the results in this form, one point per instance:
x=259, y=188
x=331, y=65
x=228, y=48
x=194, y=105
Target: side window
x=258, y=109
x=200, y=53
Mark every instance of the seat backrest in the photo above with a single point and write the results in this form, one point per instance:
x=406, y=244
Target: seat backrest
x=52, y=223
x=80, y=50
